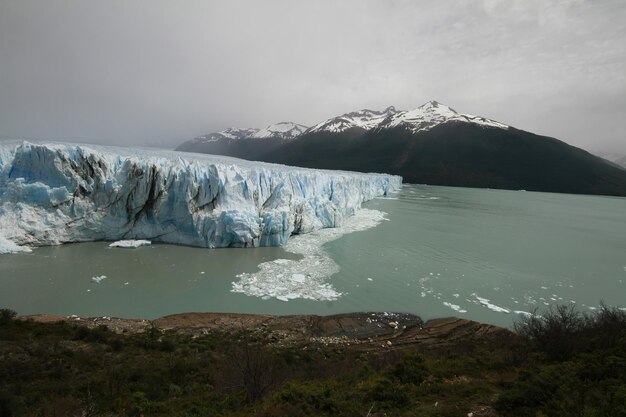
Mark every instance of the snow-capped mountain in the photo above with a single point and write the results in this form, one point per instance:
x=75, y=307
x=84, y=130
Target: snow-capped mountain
x=432, y=114
x=424, y=117
x=282, y=130
x=230, y=133
x=364, y=119
x=433, y=144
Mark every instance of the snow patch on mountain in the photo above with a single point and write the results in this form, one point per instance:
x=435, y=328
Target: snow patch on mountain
x=230, y=133
x=56, y=193
x=432, y=114
x=364, y=119
x=422, y=118
x=283, y=130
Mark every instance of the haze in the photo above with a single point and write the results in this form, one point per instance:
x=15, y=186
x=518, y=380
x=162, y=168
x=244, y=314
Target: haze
x=157, y=73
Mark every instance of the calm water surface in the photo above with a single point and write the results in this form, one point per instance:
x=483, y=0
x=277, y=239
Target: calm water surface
x=479, y=254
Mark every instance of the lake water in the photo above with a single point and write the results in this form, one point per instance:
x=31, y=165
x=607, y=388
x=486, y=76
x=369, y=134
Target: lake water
x=479, y=254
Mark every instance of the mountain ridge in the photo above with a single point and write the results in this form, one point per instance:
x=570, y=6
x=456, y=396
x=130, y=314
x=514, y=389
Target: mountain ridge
x=434, y=144
x=430, y=113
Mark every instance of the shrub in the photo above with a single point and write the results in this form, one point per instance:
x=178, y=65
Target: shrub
x=563, y=331
x=588, y=378
x=606, y=328
x=555, y=332
x=6, y=315
x=311, y=398
x=388, y=394
x=411, y=370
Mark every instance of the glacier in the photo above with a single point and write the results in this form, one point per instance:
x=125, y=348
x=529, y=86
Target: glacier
x=55, y=193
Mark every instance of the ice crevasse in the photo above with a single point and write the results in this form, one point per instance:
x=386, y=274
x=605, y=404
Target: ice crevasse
x=53, y=193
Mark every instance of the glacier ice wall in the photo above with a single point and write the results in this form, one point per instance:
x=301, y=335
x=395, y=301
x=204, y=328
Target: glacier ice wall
x=56, y=193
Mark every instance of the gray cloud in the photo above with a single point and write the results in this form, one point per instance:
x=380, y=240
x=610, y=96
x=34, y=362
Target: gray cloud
x=159, y=72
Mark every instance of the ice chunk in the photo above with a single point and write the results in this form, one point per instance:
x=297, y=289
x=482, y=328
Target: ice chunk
x=130, y=243
x=485, y=302
x=98, y=279
x=454, y=307
x=299, y=278
x=6, y=246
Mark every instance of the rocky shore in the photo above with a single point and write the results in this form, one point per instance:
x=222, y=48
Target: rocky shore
x=361, y=331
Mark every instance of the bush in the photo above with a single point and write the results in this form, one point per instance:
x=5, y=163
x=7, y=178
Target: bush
x=606, y=328
x=411, y=370
x=388, y=394
x=589, y=375
x=563, y=331
x=311, y=398
x=555, y=332
x=6, y=315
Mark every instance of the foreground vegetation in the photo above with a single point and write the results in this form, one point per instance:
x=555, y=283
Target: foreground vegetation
x=563, y=364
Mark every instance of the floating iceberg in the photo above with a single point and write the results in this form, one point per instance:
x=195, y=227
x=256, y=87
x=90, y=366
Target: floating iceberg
x=56, y=193
x=454, y=307
x=98, y=279
x=485, y=302
x=132, y=243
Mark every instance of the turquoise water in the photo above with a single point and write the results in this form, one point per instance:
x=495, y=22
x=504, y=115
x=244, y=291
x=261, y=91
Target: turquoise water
x=478, y=254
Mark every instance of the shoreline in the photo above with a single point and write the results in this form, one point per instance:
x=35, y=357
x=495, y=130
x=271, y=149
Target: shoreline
x=359, y=330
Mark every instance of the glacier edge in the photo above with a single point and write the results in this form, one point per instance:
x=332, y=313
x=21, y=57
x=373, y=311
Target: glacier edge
x=54, y=193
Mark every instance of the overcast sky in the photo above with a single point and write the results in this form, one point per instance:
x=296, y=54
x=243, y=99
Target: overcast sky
x=160, y=72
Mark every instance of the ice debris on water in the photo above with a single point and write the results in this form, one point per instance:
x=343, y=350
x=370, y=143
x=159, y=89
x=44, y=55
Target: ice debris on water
x=130, y=243
x=286, y=279
x=6, y=246
x=53, y=193
x=98, y=279
x=485, y=302
x=454, y=307
x=299, y=278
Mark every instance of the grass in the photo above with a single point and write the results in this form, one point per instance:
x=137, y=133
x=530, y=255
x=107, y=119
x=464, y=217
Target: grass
x=62, y=369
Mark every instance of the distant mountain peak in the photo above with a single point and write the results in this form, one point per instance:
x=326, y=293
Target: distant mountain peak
x=433, y=104
x=230, y=133
x=431, y=114
x=364, y=119
x=426, y=116
x=283, y=130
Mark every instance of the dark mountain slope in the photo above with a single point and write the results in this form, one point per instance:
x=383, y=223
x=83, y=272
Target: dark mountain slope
x=247, y=148
x=431, y=144
x=459, y=154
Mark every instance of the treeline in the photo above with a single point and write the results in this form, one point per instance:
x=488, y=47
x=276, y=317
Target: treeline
x=564, y=363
